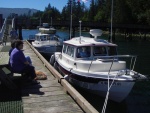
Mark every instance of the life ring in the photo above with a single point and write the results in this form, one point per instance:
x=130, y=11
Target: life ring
x=52, y=60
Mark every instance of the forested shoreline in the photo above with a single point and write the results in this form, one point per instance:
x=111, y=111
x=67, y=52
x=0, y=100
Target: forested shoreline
x=125, y=12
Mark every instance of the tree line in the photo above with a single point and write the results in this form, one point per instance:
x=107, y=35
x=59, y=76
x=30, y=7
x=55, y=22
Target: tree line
x=124, y=12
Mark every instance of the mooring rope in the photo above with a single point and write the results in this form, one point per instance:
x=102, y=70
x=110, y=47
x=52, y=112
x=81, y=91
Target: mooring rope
x=106, y=98
x=109, y=86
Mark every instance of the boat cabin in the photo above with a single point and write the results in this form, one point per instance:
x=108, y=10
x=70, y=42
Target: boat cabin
x=45, y=37
x=88, y=54
x=89, y=50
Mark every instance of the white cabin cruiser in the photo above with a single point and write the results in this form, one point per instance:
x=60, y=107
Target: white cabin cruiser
x=47, y=43
x=93, y=64
x=50, y=30
x=45, y=28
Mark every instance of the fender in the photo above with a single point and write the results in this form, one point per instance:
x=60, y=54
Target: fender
x=52, y=60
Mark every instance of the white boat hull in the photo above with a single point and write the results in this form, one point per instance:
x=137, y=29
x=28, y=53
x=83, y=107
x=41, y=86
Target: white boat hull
x=49, y=50
x=118, y=92
x=47, y=30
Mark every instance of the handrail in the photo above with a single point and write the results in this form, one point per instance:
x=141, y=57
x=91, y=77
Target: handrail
x=3, y=29
x=132, y=63
x=13, y=23
x=118, y=56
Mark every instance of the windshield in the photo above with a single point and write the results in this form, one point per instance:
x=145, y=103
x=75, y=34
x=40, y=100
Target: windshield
x=99, y=51
x=104, y=50
x=112, y=50
x=83, y=52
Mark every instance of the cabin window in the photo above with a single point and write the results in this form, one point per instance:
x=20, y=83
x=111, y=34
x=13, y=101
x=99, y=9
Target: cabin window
x=55, y=38
x=64, y=48
x=43, y=38
x=112, y=50
x=52, y=38
x=83, y=52
x=48, y=37
x=70, y=51
x=37, y=38
x=99, y=51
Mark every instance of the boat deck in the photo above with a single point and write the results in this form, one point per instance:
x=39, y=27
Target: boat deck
x=54, y=95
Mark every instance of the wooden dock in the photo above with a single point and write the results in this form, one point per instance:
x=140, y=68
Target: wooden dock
x=54, y=95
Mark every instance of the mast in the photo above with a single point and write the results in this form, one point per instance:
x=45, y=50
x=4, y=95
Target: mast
x=51, y=21
x=40, y=21
x=111, y=20
x=13, y=23
x=70, y=18
x=80, y=30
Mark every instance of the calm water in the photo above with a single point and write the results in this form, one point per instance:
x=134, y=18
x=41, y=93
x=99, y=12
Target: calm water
x=138, y=100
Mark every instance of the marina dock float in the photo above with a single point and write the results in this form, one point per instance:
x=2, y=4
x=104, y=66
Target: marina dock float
x=54, y=95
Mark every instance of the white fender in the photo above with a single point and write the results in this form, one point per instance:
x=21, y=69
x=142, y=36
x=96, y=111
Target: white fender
x=66, y=77
x=55, y=66
x=52, y=59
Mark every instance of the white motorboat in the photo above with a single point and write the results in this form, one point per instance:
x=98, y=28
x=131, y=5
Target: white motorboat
x=47, y=29
x=93, y=64
x=50, y=30
x=47, y=43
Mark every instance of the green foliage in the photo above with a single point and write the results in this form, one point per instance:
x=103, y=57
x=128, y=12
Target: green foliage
x=125, y=11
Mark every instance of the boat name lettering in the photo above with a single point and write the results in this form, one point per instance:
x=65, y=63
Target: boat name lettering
x=114, y=84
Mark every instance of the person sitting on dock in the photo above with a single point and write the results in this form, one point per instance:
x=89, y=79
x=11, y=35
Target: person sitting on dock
x=13, y=45
x=19, y=63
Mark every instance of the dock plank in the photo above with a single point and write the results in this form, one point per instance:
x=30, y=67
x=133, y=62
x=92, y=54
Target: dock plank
x=49, y=96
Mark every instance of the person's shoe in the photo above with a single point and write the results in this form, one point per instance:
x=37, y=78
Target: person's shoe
x=31, y=82
x=35, y=82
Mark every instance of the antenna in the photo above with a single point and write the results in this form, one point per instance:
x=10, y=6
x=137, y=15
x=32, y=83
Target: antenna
x=80, y=30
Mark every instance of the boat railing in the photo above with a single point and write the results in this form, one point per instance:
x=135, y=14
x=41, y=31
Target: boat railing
x=115, y=58
x=2, y=30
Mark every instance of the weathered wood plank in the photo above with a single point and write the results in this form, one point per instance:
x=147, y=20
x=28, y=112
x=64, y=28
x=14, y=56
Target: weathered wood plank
x=47, y=99
x=49, y=96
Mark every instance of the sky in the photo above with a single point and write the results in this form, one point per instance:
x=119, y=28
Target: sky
x=36, y=4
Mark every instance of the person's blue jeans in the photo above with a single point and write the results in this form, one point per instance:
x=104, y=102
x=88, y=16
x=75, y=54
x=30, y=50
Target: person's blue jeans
x=29, y=60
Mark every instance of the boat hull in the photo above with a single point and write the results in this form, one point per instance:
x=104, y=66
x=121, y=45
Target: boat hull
x=47, y=30
x=49, y=50
x=118, y=92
